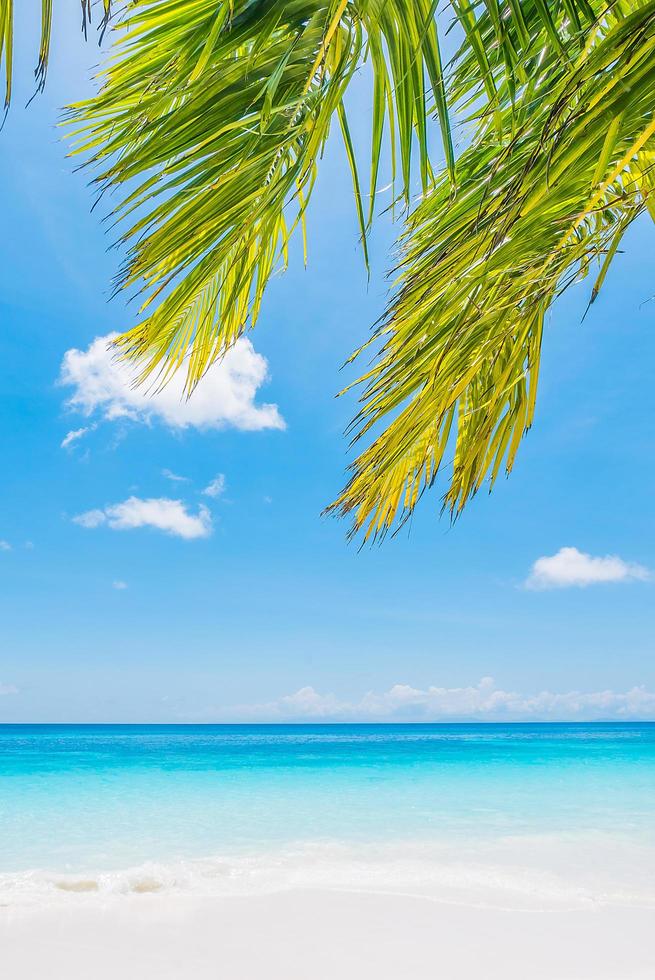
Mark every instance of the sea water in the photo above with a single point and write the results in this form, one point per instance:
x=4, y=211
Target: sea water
x=512, y=814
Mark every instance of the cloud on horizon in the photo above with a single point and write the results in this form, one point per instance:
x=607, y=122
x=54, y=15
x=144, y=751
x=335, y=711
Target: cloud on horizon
x=225, y=397
x=572, y=568
x=6, y=689
x=482, y=702
x=161, y=513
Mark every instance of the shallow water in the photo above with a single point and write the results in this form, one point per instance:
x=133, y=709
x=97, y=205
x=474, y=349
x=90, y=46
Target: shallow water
x=562, y=810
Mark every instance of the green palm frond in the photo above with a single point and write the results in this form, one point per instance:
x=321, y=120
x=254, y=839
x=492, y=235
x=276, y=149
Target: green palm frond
x=7, y=14
x=536, y=208
x=212, y=118
x=211, y=121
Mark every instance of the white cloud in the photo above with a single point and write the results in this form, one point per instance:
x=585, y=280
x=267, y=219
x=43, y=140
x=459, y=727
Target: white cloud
x=570, y=567
x=119, y=585
x=75, y=434
x=7, y=689
x=4, y=545
x=90, y=518
x=170, y=516
x=224, y=397
x=174, y=477
x=483, y=701
x=216, y=487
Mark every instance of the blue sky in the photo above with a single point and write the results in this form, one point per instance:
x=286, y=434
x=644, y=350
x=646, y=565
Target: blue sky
x=263, y=598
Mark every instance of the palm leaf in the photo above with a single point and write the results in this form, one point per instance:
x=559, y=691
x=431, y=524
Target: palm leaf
x=211, y=121
x=536, y=208
x=7, y=13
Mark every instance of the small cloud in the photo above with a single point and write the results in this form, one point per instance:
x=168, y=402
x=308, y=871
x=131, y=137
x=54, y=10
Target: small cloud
x=216, y=487
x=75, y=434
x=170, y=516
x=90, y=518
x=224, y=397
x=268, y=500
x=4, y=545
x=7, y=689
x=573, y=568
x=174, y=477
x=119, y=585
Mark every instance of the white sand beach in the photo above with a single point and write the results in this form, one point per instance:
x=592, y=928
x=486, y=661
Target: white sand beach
x=321, y=935
x=577, y=907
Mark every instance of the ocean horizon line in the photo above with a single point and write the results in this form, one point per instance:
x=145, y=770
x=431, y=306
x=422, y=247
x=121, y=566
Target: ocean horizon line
x=301, y=723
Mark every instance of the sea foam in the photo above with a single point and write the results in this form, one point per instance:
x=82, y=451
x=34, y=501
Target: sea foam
x=514, y=873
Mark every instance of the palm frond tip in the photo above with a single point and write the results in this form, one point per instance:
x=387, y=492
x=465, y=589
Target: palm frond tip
x=7, y=17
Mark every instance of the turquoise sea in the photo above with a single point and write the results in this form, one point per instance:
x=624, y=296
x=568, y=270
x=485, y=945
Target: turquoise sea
x=548, y=810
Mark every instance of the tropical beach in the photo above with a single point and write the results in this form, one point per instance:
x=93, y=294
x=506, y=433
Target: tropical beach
x=345, y=849
x=326, y=553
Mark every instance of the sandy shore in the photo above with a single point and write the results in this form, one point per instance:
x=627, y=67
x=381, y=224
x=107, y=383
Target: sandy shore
x=320, y=935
